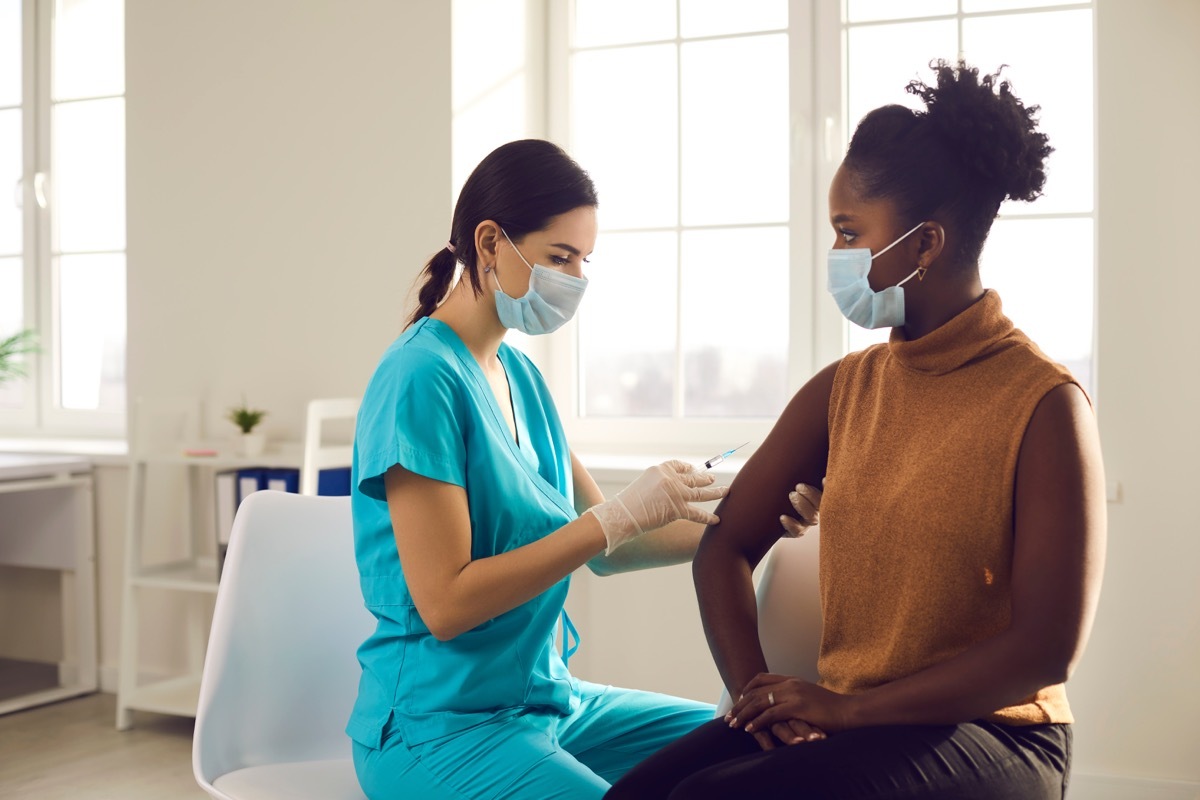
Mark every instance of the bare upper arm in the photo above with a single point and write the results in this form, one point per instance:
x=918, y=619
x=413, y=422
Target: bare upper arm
x=432, y=525
x=796, y=451
x=1060, y=522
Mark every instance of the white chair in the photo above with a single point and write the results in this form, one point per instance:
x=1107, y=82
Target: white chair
x=319, y=456
x=281, y=674
x=789, y=610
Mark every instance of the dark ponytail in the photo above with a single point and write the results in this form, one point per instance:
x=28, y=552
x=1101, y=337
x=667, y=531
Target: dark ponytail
x=974, y=145
x=438, y=273
x=522, y=186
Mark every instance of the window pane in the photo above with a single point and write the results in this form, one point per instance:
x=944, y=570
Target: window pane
x=91, y=293
x=884, y=58
x=89, y=48
x=479, y=65
x=867, y=10
x=717, y=17
x=89, y=176
x=624, y=131
x=735, y=322
x=1043, y=269
x=487, y=82
x=11, y=217
x=12, y=319
x=494, y=118
x=734, y=171
x=861, y=338
x=1032, y=45
x=627, y=327
x=973, y=6
x=600, y=22
x=10, y=52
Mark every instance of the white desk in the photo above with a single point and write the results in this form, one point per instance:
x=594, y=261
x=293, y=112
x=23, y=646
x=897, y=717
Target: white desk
x=46, y=521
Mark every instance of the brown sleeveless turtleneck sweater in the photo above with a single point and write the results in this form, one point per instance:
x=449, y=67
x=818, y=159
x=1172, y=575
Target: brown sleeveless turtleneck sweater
x=917, y=515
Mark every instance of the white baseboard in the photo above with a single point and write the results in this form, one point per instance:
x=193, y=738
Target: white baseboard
x=1108, y=787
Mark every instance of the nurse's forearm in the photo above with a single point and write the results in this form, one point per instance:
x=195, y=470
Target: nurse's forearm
x=485, y=588
x=671, y=544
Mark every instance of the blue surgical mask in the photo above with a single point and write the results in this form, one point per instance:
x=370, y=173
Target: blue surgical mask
x=848, y=283
x=551, y=300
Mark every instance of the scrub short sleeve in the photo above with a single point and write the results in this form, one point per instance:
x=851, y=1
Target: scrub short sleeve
x=411, y=415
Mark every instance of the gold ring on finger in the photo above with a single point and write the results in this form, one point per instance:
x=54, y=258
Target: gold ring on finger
x=771, y=698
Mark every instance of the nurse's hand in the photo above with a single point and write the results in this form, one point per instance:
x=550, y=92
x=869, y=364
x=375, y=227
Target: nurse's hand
x=807, y=502
x=661, y=495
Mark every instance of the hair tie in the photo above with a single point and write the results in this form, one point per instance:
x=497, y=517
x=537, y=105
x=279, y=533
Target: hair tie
x=450, y=247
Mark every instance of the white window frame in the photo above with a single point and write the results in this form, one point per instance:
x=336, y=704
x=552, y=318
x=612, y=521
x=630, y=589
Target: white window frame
x=820, y=131
x=811, y=338
x=42, y=414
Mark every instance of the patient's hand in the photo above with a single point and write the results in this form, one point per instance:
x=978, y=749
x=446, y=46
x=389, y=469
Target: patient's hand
x=807, y=502
x=792, y=709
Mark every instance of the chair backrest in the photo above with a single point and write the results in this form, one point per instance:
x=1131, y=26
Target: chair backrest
x=789, y=609
x=319, y=456
x=281, y=674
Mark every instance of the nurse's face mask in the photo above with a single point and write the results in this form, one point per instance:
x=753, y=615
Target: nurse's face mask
x=551, y=300
x=849, y=269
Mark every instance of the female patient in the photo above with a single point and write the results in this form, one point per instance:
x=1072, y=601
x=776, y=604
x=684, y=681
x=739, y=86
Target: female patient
x=467, y=507
x=963, y=519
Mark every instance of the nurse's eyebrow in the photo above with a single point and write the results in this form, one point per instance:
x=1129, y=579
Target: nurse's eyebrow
x=567, y=247
x=843, y=218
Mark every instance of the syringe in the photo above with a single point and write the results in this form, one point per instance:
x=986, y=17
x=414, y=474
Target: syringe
x=717, y=459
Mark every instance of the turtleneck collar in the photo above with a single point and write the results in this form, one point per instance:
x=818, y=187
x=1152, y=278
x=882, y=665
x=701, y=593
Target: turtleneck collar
x=965, y=337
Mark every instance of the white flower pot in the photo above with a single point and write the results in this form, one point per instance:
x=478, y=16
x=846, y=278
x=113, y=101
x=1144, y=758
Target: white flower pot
x=251, y=444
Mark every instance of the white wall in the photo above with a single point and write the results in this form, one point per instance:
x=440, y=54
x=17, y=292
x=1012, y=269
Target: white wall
x=1135, y=695
x=288, y=174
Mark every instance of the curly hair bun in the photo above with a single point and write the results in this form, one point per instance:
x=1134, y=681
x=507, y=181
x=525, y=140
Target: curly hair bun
x=986, y=127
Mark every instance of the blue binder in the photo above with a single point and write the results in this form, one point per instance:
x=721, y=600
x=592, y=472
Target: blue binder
x=283, y=480
x=334, y=482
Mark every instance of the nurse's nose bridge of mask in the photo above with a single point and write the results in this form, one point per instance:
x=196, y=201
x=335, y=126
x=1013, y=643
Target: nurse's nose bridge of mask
x=719, y=457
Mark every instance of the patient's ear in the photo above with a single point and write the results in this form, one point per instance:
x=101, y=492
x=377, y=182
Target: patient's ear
x=930, y=243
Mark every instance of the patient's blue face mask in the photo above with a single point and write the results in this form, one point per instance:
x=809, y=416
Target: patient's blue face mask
x=551, y=300
x=848, y=283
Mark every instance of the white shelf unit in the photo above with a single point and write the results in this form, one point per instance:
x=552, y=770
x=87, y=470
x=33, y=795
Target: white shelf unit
x=195, y=573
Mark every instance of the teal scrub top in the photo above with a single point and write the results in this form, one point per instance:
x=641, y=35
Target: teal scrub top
x=430, y=409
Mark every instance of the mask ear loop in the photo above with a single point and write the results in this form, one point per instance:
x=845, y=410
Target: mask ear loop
x=920, y=271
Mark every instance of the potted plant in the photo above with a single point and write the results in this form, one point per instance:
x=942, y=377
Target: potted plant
x=12, y=366
x=246, y=419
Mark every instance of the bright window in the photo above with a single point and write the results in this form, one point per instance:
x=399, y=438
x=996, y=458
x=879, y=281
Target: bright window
x=1039, y=255
x=62, y=231
x=682, y=119
x=712, y=130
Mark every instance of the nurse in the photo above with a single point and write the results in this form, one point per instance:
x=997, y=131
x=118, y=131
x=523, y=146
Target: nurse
x=471, y=512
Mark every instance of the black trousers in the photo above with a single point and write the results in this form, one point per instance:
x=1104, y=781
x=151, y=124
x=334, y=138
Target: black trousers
x=972, y=761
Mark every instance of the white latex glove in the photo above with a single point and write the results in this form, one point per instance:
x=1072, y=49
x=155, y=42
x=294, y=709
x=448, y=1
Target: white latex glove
x=661, y=495
x=807, y=502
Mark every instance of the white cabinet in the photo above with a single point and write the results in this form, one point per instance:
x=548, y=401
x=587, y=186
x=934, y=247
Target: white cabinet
x=46, y=522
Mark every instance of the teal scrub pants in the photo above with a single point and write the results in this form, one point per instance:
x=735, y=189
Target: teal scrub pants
x=535, y=754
